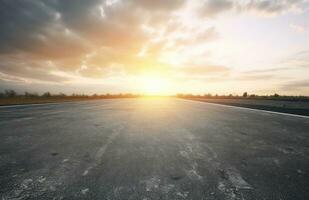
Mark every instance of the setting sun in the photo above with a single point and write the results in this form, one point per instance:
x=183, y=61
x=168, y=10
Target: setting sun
x=154, y=85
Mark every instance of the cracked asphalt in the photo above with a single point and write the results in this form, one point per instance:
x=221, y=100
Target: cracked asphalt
x=151, y=148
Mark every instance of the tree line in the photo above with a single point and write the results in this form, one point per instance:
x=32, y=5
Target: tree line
x=28, y=95
x=246, y=95
x=14, y=94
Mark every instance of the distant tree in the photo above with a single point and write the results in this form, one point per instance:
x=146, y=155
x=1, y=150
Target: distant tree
x=30, y=95
x=245, y=94
x=276, y=95
x=208, y=95
x=10, y=93
x=61, y=94
x=46, y=94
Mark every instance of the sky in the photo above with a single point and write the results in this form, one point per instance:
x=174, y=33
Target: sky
x=155, y=47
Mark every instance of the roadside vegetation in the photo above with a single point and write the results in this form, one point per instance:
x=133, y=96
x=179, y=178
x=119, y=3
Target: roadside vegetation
x=278, y=103
x=247, y=96
x=11, y=97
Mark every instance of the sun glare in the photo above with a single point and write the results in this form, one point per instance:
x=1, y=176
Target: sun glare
x=151, y=85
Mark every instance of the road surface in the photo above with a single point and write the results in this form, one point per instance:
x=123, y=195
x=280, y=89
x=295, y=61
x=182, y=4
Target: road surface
x=151, y=149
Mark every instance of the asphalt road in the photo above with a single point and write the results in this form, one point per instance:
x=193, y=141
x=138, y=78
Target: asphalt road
x=151, y=149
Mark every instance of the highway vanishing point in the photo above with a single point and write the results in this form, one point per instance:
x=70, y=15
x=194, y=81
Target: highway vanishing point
x=151, y=149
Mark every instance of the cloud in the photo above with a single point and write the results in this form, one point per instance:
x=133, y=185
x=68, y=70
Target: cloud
x=274, y=73
x=211, y=8
x=43, y=27
x=269, y=70
x=16, y=68
x=159, y=4
x=66, y=32
x=197, y=36
x=255, y=77
x=55, y=41
x=297, y=28
x=296, y=85
x=202, y=71
x=214, y=7
x=272, y=7
x=9, y=78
